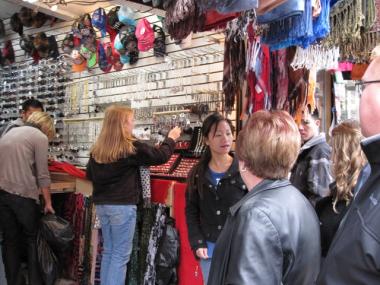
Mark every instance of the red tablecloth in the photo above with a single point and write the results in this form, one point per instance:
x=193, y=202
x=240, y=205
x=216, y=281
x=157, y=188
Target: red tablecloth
x=189, y=270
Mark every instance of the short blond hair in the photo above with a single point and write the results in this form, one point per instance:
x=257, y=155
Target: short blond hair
x=269, y=144
x=113, y=142
x=44, y=122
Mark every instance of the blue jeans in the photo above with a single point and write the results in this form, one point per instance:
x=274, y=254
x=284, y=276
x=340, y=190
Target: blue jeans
x=205, y=266
x=118, y=227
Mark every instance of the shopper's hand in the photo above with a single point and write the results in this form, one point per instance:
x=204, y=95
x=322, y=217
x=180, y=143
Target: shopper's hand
x=175, y=133
x=49, y=209
x=202, y=253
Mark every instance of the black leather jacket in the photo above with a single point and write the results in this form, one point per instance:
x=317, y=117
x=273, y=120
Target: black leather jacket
x=206, y=214
x=271, y=237
x=354, y=255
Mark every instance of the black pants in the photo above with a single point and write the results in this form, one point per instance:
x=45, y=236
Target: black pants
x=19, y=218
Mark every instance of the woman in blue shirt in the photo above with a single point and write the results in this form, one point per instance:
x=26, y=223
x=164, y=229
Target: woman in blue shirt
x=214, y=185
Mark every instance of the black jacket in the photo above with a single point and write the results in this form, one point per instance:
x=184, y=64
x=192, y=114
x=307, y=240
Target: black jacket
x=329, y=220
x=354, y=255
x=271, y=237
x=207, y=213
x=312, y=174
x=118, y=183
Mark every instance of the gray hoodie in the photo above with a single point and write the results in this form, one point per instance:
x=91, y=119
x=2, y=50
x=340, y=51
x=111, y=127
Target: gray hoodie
x=16, y=123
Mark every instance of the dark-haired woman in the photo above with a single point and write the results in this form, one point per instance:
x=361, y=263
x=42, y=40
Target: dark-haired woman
x=214, y=186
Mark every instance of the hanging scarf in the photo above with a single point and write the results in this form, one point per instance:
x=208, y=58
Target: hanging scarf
x=292, y=31
x=289, y=9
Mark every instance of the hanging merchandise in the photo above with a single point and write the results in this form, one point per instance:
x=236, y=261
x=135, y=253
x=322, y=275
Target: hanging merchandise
x=316, y=55
x=104, y=63
x=154, y=240
x=214, y=20
x=113, y=56
x=234, y=64
x=16, y=24
x=180, y=22
x=68, y=44
x=39, y=20
x=168, y=255
x=90, y=56
x=126, y=16
x=145, y=35
x=8, y=54
x=126, y=45
x=26, y=16
x=113, y=19
x=99, y=21
x=359, y=50
x=280, y=80
x=298, y=84
x=41, y=44
x=180, y=10
x=2, y=29
x=159, y=42
x=351, y=22
x=145, y=185
x=287, y=10
x=53, y=47
x=231, y=6
x=358, y=71
x=268, y=5
x=26, y=44
x=289, y=31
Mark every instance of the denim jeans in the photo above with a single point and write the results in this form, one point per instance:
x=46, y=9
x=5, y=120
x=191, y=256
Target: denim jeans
x=118, y=227
x=205, y=266
x=19, y=219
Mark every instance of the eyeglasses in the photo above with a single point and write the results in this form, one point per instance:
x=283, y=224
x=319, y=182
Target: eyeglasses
x=361, y=85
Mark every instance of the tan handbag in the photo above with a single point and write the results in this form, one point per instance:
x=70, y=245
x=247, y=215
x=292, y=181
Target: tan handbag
x=268, y=5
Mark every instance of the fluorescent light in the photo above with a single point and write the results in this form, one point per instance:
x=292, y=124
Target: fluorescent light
x=54, y=8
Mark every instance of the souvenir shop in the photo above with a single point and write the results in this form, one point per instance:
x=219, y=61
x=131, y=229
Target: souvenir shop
x=174, y=62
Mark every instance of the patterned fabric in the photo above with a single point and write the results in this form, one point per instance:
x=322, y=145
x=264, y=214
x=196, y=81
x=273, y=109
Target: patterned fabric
x=148, y=218
x=352, y=23
x=291, y=31
x=234, y=67
x=145, y=184
x=154, y=241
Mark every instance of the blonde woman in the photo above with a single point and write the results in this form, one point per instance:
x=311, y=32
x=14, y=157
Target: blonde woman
x=24, y=175
x=348, y=161
x=113, y=169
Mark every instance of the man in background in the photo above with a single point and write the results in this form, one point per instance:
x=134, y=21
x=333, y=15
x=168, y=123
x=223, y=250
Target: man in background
x=312, y=174
x=28, y=107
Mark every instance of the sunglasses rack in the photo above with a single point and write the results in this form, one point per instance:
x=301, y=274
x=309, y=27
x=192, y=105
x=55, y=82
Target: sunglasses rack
x=45, y=81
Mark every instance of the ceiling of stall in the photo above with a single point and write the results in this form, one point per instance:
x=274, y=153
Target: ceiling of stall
x=69, y=11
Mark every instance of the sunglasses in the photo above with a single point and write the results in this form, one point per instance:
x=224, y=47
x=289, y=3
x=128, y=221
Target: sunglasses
x=360, y=85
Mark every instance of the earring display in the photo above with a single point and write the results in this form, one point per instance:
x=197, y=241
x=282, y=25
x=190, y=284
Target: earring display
x=167, y=167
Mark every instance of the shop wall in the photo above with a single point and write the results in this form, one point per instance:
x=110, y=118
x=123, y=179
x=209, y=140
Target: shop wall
x=186, y=77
